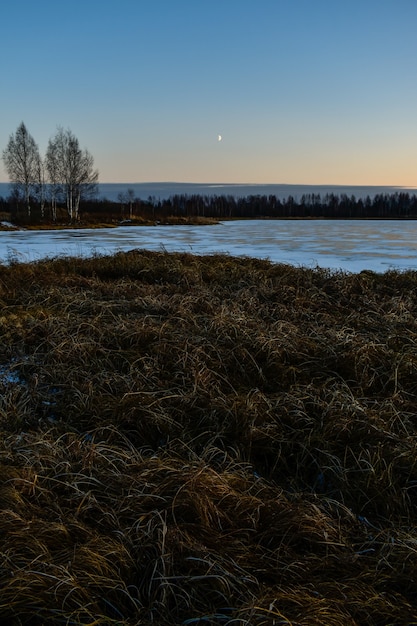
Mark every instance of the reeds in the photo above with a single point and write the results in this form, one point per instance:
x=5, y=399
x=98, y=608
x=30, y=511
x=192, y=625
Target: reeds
x=206, y=440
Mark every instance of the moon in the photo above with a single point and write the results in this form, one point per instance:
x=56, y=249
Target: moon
x=219, y=137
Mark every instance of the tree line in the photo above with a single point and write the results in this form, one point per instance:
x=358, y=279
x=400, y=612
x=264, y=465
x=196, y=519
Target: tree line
x=329, y=206
x=399, y=205
x=65, y=175
x=181, y=207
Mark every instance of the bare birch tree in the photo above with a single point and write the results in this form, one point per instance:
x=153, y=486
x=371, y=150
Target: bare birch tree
x=130, y=199
x=40, y=185
x=53, y=169
x=72, y=169
x=127, y=198
x=21, y=159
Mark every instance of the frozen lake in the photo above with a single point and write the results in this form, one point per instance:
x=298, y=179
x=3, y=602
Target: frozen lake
x=350, y=245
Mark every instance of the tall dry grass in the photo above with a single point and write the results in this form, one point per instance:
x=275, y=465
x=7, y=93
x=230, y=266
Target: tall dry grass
x=206, y=440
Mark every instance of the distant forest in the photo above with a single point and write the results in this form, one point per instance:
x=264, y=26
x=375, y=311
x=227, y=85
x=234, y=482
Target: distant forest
x=309, y=206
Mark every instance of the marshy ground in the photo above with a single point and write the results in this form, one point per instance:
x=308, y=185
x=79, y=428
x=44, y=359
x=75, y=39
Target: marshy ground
x=207, y=440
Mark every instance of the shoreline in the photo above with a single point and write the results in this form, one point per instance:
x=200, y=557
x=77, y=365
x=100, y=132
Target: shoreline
x=193, y=221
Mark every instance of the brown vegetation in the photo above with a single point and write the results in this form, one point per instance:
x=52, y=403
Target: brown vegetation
x=97, y=220
x=207, y=440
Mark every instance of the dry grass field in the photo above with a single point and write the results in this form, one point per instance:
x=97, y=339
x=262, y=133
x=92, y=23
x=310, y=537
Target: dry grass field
x=206, y=441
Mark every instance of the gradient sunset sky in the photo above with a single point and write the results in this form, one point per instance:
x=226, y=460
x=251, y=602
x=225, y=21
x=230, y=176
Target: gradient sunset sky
x=302, y=91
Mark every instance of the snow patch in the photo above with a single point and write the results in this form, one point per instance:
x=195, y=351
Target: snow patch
x=9, y=225
x=9, y=375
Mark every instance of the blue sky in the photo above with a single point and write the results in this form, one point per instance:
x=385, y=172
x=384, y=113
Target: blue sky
x=302, y=91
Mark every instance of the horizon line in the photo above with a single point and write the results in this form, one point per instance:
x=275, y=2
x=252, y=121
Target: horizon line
x=243, y=184
x=251, y=184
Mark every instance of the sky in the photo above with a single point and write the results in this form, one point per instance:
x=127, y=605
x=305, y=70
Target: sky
x=301, y=91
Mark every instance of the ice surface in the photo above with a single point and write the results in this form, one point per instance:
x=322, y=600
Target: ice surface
x=350, y=245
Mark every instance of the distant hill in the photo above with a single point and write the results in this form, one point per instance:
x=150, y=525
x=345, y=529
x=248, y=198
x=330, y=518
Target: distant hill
x=164, y=190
